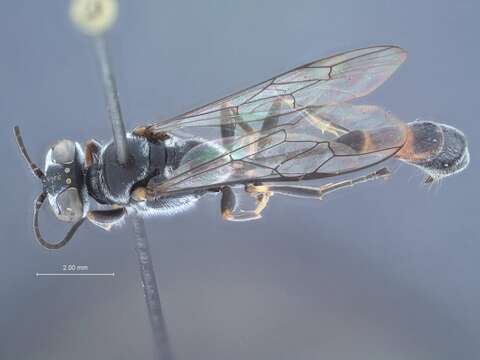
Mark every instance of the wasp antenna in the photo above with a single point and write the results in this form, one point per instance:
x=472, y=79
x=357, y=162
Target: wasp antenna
x=36, y=228
x=35, y=169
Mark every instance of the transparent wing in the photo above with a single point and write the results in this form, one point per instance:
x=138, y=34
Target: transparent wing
x=304, y=144
x=332, y=80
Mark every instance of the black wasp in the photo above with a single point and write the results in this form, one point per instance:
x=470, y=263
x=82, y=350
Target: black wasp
x=294, y=127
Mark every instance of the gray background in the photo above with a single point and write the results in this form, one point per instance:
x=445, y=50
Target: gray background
x=382, y=271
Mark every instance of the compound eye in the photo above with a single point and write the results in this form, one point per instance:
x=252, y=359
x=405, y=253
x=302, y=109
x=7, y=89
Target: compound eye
x=63, y=152
x=69, y=205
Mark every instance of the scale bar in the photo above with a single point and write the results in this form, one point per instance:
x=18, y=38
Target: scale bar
x=74, y=274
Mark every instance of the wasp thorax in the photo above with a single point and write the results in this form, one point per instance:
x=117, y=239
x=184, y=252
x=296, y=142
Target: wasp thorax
x=64, y=180
x=439, y=150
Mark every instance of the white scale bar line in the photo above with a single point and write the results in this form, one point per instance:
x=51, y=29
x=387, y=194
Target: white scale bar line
x=74, y=274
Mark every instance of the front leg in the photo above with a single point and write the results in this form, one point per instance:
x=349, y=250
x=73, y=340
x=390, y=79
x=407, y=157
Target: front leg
x=107, y=218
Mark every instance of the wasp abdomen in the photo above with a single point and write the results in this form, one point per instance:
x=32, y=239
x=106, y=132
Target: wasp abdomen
x=369, y=140
x=424, y=141
x=440, y=150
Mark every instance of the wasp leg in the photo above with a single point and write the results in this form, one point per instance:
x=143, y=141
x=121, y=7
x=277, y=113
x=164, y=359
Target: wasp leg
x=92, y=152
x=228, y=121
x=139, y=194
x=106, y=218
x=271, y=121
x=314, y=192
x=227, y=127
x=229, y=202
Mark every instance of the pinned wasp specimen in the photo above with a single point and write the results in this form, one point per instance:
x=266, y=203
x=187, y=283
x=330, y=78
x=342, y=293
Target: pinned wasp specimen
x=264, y=140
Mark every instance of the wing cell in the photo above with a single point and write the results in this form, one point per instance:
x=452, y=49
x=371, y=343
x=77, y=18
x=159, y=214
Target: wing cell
x=332, y=80
x=294, y=126
x=296, y=148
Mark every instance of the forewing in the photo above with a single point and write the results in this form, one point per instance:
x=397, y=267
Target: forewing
x=332, y=80
x=305, y=144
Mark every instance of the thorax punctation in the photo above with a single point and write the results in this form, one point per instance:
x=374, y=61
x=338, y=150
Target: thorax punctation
x=112, y=184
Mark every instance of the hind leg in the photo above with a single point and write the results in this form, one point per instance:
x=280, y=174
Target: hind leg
x=314, y=192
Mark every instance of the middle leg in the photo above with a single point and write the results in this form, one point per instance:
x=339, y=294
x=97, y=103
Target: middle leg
x=229, y=206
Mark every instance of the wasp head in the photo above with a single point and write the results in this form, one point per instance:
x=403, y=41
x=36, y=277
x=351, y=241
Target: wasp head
x=63, y=184
x=64, y=181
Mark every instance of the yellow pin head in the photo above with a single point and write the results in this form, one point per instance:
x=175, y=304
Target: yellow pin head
x=93, y=17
